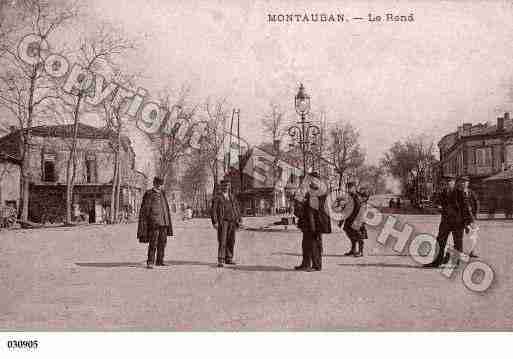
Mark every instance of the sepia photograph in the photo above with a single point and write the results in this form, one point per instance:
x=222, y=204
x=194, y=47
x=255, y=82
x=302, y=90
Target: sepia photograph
x=255, y=166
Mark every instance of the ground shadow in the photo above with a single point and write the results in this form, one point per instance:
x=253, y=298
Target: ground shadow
x=383, y=265
x=300, y=255
x=110, y=264
x=142, y=264
x=260, y=268
x=190, y=263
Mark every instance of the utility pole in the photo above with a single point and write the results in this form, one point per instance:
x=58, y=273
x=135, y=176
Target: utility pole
x=240, y=155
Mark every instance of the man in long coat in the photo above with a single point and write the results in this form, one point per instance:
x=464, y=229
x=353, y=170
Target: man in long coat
x=226, y=219
x=155, y=223
x=355, y=235
x=456, y=216
x=313, y=221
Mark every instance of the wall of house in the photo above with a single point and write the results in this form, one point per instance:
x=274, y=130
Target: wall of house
x=10, y=175
x=60, y=148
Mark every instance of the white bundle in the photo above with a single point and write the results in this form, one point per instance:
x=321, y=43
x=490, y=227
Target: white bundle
x=471, y=238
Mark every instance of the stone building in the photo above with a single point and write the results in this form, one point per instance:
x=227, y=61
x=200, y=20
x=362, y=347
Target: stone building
x=48, y=158
x=479, y=151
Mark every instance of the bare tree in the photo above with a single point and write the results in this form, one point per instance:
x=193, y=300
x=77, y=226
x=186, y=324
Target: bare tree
x=344, y=150
x=273, y=124
x=409, y=161
x=194, y=180
x=215, y=135
x=171, y=141
x=24, y=87
x=372, y=177
x=97, y=54
x=115, y=123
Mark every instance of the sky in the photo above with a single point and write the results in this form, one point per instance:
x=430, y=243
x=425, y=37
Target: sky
x=451, y=65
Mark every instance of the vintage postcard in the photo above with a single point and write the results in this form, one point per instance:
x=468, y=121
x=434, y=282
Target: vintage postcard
x=186, y=166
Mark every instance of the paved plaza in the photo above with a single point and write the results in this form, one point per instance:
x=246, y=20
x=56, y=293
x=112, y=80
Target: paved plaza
x=94, y=278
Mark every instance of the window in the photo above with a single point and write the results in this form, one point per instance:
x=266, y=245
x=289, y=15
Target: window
x=90, y=169
x=483, y=156
x=49, y=174
x=292, y=178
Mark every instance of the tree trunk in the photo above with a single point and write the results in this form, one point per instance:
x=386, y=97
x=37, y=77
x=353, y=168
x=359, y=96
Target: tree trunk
x=25, y=179
x=114, y=198
x=71, y=163
x=24, y=191
x=118, y=190
x=112, y=216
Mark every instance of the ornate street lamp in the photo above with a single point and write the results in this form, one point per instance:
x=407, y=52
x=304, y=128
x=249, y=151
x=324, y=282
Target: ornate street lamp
x=302, y=102
x=304, y=133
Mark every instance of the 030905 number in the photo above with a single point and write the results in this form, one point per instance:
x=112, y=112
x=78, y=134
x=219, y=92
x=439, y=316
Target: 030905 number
x=22, y=344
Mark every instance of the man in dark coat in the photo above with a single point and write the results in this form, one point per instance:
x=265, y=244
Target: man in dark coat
x=226, y=218
x=155, y=223
x=313, y=221
x=456, y=216
x=355, y=235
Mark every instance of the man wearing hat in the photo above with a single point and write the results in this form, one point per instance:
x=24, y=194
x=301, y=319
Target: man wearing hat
x=155, y=223
x=456, y=216
x=226, y=218
x=355, y=233
x=313, y=221
x=471, y=201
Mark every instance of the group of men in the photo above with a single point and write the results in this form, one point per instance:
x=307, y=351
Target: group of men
x=459, y=212
x=155, y=223
x=314, y=219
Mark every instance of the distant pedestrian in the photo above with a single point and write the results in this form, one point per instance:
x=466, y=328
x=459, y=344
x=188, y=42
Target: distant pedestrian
x=155, y=223
x=226, y=218
x=313, y=221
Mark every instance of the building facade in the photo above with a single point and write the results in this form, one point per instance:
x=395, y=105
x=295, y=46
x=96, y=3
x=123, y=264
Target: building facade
x=266, y=184
x=10, y=173
x=478, y=151
x=48, y=157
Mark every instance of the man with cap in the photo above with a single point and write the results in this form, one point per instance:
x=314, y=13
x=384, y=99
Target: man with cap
x=313, y=221
x=471, y=201
x=155, y=223
x=350, y=212
x=226, y=218
x=456, y=216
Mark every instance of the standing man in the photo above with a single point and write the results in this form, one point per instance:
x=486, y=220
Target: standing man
x=313, y=222
x=456, y=217
x=226, y=218
x=352, y=210
x=155, y=223
x=471, y=201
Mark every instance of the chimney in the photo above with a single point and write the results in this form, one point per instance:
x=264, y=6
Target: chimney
x=500, y=123
x=467, y=129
